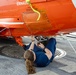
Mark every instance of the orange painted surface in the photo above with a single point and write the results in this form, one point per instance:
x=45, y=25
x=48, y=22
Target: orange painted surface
x=57, y=16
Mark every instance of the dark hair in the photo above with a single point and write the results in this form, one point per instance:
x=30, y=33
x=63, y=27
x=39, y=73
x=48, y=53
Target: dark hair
x=29, y=56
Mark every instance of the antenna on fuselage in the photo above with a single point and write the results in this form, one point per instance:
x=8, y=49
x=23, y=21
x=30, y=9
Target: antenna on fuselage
x=36, y=11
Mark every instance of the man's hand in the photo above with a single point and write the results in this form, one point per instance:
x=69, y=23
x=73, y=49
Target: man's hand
x=41, y=45
x=32, y=38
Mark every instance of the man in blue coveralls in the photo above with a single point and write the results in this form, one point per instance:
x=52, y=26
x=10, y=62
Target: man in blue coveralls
x=39, y=55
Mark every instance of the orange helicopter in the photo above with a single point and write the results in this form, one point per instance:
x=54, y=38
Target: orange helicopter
x=36, y=17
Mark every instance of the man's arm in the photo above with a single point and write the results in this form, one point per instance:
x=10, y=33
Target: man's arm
x=32, y=44
x=47, y=51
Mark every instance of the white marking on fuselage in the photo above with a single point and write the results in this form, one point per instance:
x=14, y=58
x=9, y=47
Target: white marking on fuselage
x=12, y=23
x=9, y=21
x=74, y=2
x=21, y=3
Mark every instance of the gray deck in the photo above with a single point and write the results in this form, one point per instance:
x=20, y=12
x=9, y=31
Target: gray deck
x=63, y=66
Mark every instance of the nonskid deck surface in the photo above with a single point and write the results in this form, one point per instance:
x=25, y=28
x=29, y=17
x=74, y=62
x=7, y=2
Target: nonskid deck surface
x=61, y=66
